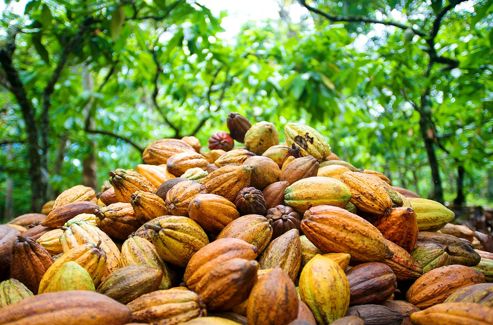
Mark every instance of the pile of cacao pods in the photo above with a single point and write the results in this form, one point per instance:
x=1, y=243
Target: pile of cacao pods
x=266, y=233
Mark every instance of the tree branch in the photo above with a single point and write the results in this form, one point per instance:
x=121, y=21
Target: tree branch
x=155, y=91
x=358, y=19
x=116, y=136
x=6, y=142
x=154, y=17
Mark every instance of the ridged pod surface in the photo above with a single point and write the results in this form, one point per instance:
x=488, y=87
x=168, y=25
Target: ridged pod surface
x=481, y=293
x=212, y=212
x=75, y=194
x=181, y=162
x=57, y=217
x=260, y=137
x=235, y=157
x=139, y=251
x=300, y=168
x=66, y=308
x=274, y=194
x=158, y=152
x=179, y=197
x=176, y=238
x=130, y=282
x=238, y=126
x=172, y=306
x=80, y=233
x=28, y=219
x=252, y=228
x=333, y=229
x=367, y=194
x=70, y=276
x=127, y=182
x=156, y=174
x=147, y=205
x=435, y=286
x=452, y=313
x=402, y=263
x=13, y=291
x=400, y=226
x=29, y=262
x=273, y=300
x=264, y=171
x=430, y=215
x=227, y=181
x=277, y=153
x=8, y=237
x=376, y=314
x=307, y=140
x=371, y=283
x=89, y=256
x=328, y=299
x=284, y=252
x=118, y=220
x=313, y=191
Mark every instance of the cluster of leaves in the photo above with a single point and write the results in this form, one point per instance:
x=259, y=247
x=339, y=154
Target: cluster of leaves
x=144, y=70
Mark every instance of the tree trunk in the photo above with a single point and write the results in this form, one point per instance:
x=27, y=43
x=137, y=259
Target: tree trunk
x=89, y=176
x=416, y=181
x=460, y=199
x=9, y=189
x=428, y=138
x=489, y=185
x=60, y=156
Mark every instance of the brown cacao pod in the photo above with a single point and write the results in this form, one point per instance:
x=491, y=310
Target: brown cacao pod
x=166, y=186
x=299, y=168
x=155, y=174
x=400, y=226
x=260, y=137
x=402, y=263
x=305, y=315
x=147, y=205
x=282, y=219
x=172, y=306
x=221, y=140
x=333, y=229
x=126, y=182
x=404, y=192
x=8, y=237
x=212, y=212
x=178, y=164
x=118, y=220
x=176, y=238
x=367, y=194
x=371, y=283
x=454, y=313
x=481, y=293
x=29, y=262
x=435, y=286
x=328, y=299
x=376, y=314
x=214, y=254
x=193, y=142
x=264, y=171
x=238, y=126
x=234, y=157
x=277, y=153
x=28, y=219
x=158, y=152
x=284, y=252
x=58, y=216
x=250, y=201
x=108, y=196
x=66, y=308
x=227, y=181
x=349, y=320
x=273, y=300
x=313, y=191
x=459, y=231
x=130, y=282
x=212, y=320
x=179, y=197
x=13, y=291
x=254, y=229
x=35, y=231
x=402, y=307
x=75, y=194
x=274, y=194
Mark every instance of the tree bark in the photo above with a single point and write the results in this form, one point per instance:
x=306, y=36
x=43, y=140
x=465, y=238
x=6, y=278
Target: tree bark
x=489, y=185
x=460, y=199
x=89, y=176
x=57, y=169
x=9, y=189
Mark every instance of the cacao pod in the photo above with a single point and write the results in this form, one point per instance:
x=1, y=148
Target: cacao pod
x=481, y=293
x=8, y=237
x=400, y=227
x=234, y=157
x=221, y=140
x=284, y=252
x=277, y=153
x=178, y=164
x=376, y=314
x=147, y=206
x=282, y=219
x=155, y=174
x=158, y=152
x=371, y=283
x=308, y=250
x=118, y=220
x=454, y=313
x=59, y=216
x=193, y=142
x=264, y=171
x=402, y=263
x=430, y=215
x=212, y=212
x=70, y=276
x=227, y=181
x=13, y=291
x=250, y=201
x=75, y=194
x=299, y=168
x=260, y=137
x=307, y=140
x=166, y=186
x=126, y=182
x=274, y=194
x=28, y=219
x=179, y=197
x=238, y=126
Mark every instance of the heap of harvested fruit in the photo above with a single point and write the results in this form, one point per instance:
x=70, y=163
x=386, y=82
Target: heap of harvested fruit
x=268, y=233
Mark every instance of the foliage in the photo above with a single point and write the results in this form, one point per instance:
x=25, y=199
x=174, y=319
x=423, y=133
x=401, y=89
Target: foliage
x=142, y=70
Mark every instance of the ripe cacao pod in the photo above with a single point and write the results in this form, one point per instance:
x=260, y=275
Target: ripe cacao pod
x=13, y=291
x=178, y=164
x=308, y=250
x=333, y=229
x=402, y=263
x=238, y=126
x=193, y=142
x=155, y=174
x=147, y=205
x=307, y=140
x=481, y=293
x=274, y=194
x=158, y=152
x=8, y=237
x=118, y=220
x=371, y=283
x=260, y=137
x=212, y=212
x=282, y=219
x=28, y=219
x=277, y=153
x=70, y=276
x=221, y=140
x=300, y=168
x=454, y=313
x=250, y=201
x=430, y=215
x=284, y=252
x=126, y=182
x=376, y=314
x=58, y=216
x=179, y=197
x=400, y=226
x=75, y=194
x=166, y=186
x=234, y=157
x=264, y=171
x=227, y=181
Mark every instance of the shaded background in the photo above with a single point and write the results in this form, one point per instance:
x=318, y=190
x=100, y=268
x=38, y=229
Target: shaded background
x=403, y=87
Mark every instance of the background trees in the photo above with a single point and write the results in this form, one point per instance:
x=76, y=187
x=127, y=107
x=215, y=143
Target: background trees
x=399, y=86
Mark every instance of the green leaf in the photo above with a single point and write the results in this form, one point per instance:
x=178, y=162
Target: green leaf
x=436, y=5
x=482, y=9
x=40, y=48
x=297, y=86
x=46, y=17
x=117, y=20
x=30, y=6
x=490, y=35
